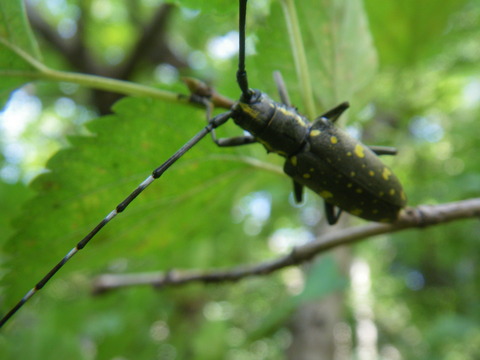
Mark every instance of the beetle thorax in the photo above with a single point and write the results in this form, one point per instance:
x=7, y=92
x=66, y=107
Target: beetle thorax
x=280, y=128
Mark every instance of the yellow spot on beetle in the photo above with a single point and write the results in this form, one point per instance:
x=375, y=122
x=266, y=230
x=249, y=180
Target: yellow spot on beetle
x=285, y=111
x=246, y=108
x=381, y=193
x=403, y=196
x=392, y=192
x=359, y=191
x=300, y=121
x=386, y=173
x=315, y=132
x=356, y=212
x=359, y=151
x=349, y=153
x=307, y=176
x=325, y=194
x=371, y=173
x=293, y=160
x=349, y=185
x=288, y=113
x=352, y=174
x=312, y=169
x=333, y=139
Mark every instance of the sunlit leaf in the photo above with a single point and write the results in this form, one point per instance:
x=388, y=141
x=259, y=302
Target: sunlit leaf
x=15, y=38
x=340, y=53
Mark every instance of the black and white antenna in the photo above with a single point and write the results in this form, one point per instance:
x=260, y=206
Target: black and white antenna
x=209, y=128
x=241, y=72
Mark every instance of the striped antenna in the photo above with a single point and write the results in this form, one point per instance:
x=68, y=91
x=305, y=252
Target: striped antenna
x=241, y=72
x=212, y=124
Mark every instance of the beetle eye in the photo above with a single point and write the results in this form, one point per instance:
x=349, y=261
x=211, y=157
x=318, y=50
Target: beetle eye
x=256, y=95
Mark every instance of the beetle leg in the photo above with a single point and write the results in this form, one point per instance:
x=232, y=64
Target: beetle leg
x=282, y=88
x=332, y=218
x=333, y=114
x=383, y=150
x=233, y=141
x=298, y=191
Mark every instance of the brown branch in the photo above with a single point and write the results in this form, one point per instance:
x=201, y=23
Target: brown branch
x=151, y=47
x=418, y=217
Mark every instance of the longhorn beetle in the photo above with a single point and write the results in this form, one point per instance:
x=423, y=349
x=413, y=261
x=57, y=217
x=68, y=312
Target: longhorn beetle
x=347, y=174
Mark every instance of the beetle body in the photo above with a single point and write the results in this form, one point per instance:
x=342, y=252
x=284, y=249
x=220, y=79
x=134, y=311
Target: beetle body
x=343, y=171
x=277, y=126
x=346, y=173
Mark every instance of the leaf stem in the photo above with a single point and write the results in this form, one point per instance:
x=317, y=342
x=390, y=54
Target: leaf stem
x=299, y=56
x=108, y=84
x=41, y=71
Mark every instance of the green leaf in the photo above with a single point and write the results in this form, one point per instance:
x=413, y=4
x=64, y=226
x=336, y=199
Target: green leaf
x=344, y=59
x=185, y=209
x=341, y=58
x=211, y=6
x=15, y=38
x=12, y=196
x=407, y=32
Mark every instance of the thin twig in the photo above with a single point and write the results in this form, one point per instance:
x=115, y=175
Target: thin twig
x=418, y=217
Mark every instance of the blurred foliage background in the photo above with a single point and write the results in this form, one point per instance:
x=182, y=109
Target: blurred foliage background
x=410, y=71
